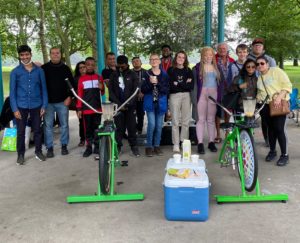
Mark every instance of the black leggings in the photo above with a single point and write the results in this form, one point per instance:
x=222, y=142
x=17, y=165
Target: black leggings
x=276, y=129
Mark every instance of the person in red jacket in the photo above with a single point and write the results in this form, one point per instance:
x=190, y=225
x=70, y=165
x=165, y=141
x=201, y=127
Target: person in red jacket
x=90, y=89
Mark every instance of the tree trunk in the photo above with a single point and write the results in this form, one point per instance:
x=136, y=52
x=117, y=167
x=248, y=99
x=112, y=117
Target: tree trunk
x=281, y=61
x=63, y=35
x=42, y=31
x=295, y=63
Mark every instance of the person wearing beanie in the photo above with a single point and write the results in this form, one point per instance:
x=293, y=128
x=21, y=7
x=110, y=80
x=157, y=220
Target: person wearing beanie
x=259, y=51
x=122, y=84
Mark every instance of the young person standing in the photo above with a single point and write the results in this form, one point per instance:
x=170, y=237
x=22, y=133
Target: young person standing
x=181, y=83
x=90, y=89
x=28, y=97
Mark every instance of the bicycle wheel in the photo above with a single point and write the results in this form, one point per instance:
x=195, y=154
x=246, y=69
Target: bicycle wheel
x=250, y=165
x=104, y=164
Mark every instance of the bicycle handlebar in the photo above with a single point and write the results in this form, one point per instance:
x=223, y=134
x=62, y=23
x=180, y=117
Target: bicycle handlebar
x=92, y=108
x=227, y=111
x=231, y=114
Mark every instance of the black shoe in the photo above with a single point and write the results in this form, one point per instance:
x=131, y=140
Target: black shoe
x=201, y=148
x=271, y=156
x=212, y=147
x=50, y=153
x=64, y=150
x=39, y=156
x=96, y=149
x=87, y=152
x=20, y=160
x=135, y=151
x=283, y=160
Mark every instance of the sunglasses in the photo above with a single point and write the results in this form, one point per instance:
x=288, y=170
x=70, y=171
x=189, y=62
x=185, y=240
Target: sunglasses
x=260, y=63
x=251, y=66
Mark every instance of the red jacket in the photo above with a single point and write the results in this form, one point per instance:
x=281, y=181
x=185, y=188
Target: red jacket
x=89, y=91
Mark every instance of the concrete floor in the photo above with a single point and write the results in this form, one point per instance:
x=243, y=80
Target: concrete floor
x=33, y=204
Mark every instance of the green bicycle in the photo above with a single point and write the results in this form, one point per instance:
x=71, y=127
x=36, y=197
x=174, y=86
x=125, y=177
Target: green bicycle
x=238, y=150
x=108, y=156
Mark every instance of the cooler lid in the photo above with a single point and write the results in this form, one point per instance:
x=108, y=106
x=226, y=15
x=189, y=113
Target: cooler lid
x=197, y=179
x=200, y=165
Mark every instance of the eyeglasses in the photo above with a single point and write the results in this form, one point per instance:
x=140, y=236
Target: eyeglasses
x=251, y=66
x=154, y=59
x=260, y=63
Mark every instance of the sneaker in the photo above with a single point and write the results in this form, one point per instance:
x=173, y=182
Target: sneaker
x=212, y=147
x=96, y=149
x=20, y=160
x=271, y=156
x=87, y=152
x=201, y=148
x=135, y=151
x=149, y=152
x=50, y=153
x=176, y=149
x=157, y=151
x=64, y=150
x=283, y=160
x=39, y=156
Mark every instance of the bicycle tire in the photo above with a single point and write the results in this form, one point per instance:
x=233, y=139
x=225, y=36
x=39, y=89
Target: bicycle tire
x=250, y=164
x=104, y=164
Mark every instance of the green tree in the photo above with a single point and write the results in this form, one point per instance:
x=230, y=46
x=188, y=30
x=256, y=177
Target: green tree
x=277, y=21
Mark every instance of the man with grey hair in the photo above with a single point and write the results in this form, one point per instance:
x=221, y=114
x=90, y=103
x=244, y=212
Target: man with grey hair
x=223, y=60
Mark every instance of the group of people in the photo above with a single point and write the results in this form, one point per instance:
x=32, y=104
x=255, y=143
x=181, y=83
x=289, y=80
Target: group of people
x=170, y=85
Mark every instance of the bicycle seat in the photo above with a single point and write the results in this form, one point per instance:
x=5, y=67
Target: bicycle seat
x=227, y=125
x=248, y=125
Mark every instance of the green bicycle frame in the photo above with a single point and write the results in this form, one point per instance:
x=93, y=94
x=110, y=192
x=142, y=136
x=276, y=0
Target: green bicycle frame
x=112, y=196
x=234, y=135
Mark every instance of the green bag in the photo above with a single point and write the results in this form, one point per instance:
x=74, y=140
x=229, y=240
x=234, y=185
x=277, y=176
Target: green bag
x=9, y=141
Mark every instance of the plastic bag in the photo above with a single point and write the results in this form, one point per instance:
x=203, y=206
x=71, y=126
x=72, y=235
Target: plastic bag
x=9, y=141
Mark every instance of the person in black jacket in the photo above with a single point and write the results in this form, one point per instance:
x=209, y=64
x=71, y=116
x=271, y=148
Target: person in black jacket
x=122, y=84
x=59, y=96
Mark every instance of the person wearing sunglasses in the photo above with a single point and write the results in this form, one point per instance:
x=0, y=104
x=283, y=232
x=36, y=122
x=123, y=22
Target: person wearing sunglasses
x=272, y=81
x=257, y=50
x=245, y=83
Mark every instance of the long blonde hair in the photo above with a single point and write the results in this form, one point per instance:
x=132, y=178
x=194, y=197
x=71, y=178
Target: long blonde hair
x=214, y=63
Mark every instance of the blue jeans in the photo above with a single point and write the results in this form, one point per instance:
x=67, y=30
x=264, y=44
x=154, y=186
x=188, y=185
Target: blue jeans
x=63, y=116
x=155, y=123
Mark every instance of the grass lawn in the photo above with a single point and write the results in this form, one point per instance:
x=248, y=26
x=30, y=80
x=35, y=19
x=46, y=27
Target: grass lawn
x=293, y=73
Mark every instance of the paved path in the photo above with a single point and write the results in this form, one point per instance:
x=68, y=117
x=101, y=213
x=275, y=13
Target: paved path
x=33, y=204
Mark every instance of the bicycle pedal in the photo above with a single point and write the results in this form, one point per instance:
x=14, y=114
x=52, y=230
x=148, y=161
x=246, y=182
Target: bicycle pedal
x=124, y=163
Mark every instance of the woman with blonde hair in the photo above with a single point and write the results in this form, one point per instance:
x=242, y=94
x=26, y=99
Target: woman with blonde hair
x=207, y=77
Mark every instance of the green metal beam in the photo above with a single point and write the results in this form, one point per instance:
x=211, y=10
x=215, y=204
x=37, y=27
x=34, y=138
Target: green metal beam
x=221, y=20
x=113, y=26
x=100, y=35
x=1, y=78
x=207, y=37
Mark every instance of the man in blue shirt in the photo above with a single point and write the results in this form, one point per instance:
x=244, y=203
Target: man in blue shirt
x=28, y=97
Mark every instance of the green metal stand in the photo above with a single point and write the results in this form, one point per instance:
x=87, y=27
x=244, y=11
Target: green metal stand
x=257, y=197
x=112, y=196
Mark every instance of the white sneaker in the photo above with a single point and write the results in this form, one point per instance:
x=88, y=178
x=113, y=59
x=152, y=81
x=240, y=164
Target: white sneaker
x=176, y=149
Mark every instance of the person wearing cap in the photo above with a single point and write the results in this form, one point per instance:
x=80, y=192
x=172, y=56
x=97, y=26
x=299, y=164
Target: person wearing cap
x=28, y=97
x=258, y=51
x=122, y=84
